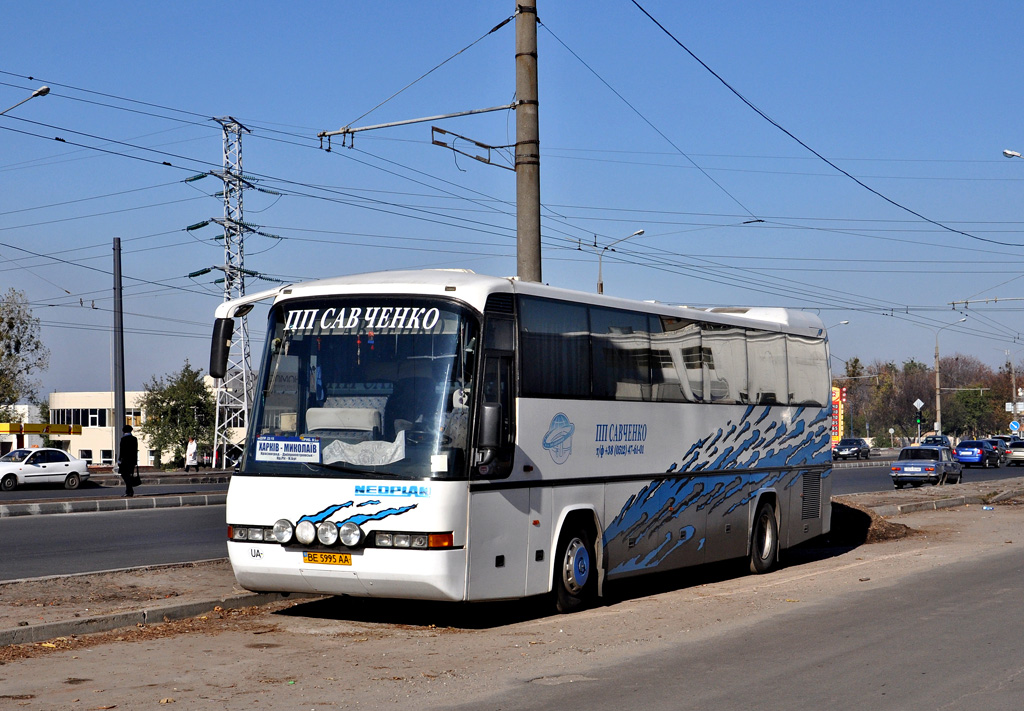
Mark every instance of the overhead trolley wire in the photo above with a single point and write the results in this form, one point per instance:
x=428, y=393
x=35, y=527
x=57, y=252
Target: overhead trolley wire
x=784, y=130
x=648, y=122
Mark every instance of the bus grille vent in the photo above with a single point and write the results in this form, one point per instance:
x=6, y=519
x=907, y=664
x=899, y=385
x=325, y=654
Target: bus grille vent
x=812, y=496
x=500, y=304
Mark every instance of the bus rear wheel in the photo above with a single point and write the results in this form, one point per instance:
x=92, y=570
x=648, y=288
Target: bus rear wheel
x=575, y=578
x=764, y=541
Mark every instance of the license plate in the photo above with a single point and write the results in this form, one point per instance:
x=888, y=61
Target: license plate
x=912, y=469
x=326, y=558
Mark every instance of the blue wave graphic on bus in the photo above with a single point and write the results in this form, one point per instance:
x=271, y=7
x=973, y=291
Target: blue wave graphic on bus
x=713, y=481
x=357, y=519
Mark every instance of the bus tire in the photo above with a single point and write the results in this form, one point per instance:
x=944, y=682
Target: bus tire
x=764, y=540
x=575, y=580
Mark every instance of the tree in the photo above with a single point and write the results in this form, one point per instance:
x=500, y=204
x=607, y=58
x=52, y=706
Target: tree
x=177, y=407
x=858, y=393
x=9, y=414
x=44, y=416
x=22, y=352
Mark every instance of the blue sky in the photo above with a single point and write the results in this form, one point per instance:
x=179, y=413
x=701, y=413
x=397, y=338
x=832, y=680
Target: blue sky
x=916, y=100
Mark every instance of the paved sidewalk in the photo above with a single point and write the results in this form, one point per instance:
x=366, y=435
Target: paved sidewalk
x=110, y=503
x=108, y=497
x=40, y=609
x=927, y=498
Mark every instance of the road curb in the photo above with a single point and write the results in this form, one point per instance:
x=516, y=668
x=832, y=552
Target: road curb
x=97, y=505
x=151, y=615
x=950, y=502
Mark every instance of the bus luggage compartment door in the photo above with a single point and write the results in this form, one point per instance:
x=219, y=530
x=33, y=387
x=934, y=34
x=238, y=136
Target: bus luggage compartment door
x=498, y=522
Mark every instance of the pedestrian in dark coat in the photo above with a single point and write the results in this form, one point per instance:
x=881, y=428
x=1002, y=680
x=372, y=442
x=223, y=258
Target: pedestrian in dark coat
x=128, y=460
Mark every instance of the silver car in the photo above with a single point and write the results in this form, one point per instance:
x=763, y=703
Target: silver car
x=920, y=465
x=41, y=466
x=1015, y=454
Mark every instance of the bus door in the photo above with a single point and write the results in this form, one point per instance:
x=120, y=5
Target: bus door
x=499, y=503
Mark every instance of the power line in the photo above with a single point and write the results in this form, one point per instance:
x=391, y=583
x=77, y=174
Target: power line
x=779, y=126
x=649, y=122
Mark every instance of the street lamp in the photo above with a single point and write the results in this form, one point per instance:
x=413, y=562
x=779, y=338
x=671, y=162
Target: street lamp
x=41, y=91
x=1013, y=380
x=938, y=400
x=1011, y=154
x=600, y=258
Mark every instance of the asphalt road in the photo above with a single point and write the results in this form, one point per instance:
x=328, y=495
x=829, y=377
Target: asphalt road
x=941, y=639
x=873, y=475
x=123, y=539
x=60, y=544
x=930, y=621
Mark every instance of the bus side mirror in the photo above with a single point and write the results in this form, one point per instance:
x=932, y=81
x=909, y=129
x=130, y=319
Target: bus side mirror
x=489, y=436
x=490, y=426
x=221, y=346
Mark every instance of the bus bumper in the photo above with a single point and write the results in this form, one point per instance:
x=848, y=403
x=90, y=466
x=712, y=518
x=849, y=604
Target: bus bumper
x=412, y=574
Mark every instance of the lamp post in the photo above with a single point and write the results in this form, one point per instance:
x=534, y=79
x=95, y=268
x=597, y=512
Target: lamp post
x=938, y=399
x=41, y=91
x=600, y=258
x=1013, y=385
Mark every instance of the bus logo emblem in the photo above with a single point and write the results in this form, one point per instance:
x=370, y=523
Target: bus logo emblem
x=558, y=440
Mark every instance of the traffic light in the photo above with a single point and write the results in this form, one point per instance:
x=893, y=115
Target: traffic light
x=842, y=393
x=919, y=418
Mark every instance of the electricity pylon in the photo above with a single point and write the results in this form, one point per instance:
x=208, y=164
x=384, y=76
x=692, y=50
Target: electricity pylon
x=234, y=390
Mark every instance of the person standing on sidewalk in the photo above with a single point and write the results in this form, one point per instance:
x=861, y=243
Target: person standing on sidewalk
x=128, y=460
x=190, y=455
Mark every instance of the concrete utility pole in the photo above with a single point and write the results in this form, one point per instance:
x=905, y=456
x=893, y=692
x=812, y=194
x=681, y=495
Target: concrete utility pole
x=119, y=409
x=527, y=146
x=1013, y=386
x=234, y=390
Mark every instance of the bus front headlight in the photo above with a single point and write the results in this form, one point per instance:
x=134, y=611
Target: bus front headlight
x=283, y=531
x=305, y=532
x=350, y=534
x=327, y=533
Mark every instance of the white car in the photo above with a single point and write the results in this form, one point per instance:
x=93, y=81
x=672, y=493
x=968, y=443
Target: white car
x=41, y=466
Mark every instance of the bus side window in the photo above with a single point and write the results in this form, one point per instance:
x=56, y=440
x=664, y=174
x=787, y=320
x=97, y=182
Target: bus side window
x=496, y=390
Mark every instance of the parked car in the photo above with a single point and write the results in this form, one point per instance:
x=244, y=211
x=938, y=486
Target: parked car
x=1001, y=447
x=41, y=466
x=977, y=452
x=851, y=447
x=1015, y=456
x=925, y=464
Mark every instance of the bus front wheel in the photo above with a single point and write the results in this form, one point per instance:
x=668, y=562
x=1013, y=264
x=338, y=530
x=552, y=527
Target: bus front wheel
x=764, y=542
x=575, y=578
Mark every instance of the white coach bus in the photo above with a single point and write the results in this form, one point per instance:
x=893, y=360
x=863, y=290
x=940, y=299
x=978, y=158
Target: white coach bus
x=443, y=435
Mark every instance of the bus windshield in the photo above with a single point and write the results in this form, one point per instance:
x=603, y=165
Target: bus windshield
x=366, y=386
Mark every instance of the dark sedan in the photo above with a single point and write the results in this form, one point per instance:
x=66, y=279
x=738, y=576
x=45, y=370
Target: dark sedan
x=851, y=447
x=978, y=453
x=1000, y=447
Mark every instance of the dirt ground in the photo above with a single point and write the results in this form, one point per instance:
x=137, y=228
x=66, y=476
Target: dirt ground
x=345, y=653
x=43, y=600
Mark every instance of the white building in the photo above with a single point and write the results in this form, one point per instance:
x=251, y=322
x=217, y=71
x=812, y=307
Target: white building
x=26, y=413
x=94, y=411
